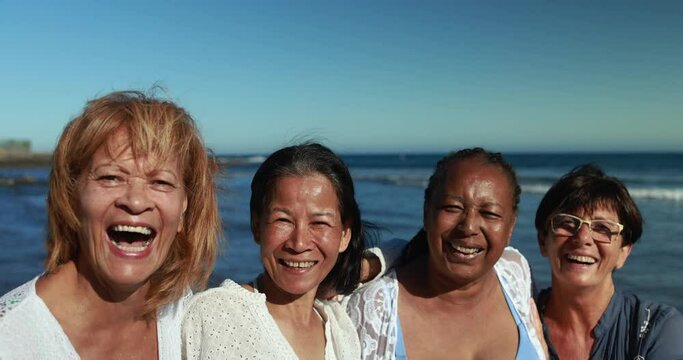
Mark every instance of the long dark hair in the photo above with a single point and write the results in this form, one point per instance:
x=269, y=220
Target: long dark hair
x=418, y=244
x=310, y=159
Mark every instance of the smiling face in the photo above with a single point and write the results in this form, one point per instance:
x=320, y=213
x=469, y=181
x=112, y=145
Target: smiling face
x=301, y=233
x=469, y=220
x=130, y=210
x=579, y=261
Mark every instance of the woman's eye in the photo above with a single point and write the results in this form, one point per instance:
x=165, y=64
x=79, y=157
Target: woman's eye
x=452, y=208
x=321, y=224
x=162, y=185
x=568, y=225
x=490, y=215
x=110, y=180
x=601, y=229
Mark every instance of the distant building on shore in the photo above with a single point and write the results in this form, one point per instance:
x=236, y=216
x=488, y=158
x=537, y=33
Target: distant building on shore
x=13, y=148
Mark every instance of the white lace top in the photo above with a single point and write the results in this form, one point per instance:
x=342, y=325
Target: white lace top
x=28, y=330
x=230, y=322
x=374, y=308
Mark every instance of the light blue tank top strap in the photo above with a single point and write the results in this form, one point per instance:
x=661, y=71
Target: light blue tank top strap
x=400, y=345
x=525, y=349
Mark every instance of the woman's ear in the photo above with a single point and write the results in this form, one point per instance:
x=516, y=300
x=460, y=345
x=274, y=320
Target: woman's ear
x=624, y=252
x=512, y=229
x=346, y=238
x=540, y=237
x=255, y=228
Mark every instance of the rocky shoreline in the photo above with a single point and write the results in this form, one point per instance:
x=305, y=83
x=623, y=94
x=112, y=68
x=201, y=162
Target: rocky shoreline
x=33, y=160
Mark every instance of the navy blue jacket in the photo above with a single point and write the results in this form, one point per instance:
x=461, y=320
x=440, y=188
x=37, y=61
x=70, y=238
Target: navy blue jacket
x=631, y=329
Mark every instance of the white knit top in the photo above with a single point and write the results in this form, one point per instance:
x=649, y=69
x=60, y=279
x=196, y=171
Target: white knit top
x=231, y=322
x=374, y=309
x=28, y=330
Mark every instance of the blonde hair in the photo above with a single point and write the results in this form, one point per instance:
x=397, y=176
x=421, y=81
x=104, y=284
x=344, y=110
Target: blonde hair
x=163, y=130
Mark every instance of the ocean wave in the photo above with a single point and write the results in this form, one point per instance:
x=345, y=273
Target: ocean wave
x=669, y=193
x=394, y=179
x=654, y=193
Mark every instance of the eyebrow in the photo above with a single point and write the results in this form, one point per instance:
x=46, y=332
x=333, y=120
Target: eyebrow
x=461, y=199
x=111, y=165
x=323, y=214
x=490, y=203
x=283, y=210
x=316, y=214
x=455, y=197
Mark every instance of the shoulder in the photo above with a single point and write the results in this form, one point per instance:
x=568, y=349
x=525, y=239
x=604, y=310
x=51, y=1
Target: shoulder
x=28, y=329
x=512, y=258
x=229, y=297
x=381, y=290
x=659, y=325
x=651, y=314
x=342, y=332
x=14, y=302
x=375, y=303
x=514, y=271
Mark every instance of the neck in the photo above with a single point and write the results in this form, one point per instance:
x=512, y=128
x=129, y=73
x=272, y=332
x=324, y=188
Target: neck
x=578, y=309
x=296, y=308
x=442, y=287
x=93, y=302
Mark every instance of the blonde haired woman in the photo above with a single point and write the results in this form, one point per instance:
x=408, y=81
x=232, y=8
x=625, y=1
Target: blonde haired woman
x=133, y=225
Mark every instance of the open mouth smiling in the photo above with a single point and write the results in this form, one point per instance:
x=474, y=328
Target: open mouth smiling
x=469, y=251
x=297, y=264
x=131, y=238
x=580, y=259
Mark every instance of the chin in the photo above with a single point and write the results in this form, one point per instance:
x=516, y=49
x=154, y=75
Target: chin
x=298, y=287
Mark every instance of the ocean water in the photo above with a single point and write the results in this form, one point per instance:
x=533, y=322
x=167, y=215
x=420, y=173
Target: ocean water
x=390, y=191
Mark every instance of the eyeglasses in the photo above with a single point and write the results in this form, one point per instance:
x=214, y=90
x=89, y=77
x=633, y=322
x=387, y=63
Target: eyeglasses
x=601, y=230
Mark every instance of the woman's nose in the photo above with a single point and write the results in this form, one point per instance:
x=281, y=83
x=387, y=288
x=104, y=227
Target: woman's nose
x=300, y=240
x=584, y=233
x=135, y=198
x=468, y=222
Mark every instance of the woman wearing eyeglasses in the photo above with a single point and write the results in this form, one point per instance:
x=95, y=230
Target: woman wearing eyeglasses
x=587, y=224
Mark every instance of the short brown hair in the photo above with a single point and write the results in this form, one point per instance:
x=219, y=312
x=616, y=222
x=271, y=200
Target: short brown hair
x=587, y=187
x=154, y=127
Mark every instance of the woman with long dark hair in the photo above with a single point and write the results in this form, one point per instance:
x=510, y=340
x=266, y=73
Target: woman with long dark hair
x=307, y=223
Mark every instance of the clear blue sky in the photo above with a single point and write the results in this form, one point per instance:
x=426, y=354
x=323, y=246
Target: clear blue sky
x=377, y=76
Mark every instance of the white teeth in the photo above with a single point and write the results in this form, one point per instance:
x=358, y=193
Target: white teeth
x=123, y=246
x=299, y=264
x=582, y=259
x=134, y=229
x=464, y=249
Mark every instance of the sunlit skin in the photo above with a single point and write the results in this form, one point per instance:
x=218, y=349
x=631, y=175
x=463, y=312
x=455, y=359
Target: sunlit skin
x=472, y=210
x=303, y=225
x=580, y=277
x=106, y=286
x=154, y=197
x=581, y=290
x=301, y=234
x=469, y=220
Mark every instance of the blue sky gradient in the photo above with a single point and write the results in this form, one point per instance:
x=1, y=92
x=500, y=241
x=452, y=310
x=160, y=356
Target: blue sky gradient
x=362, y=76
